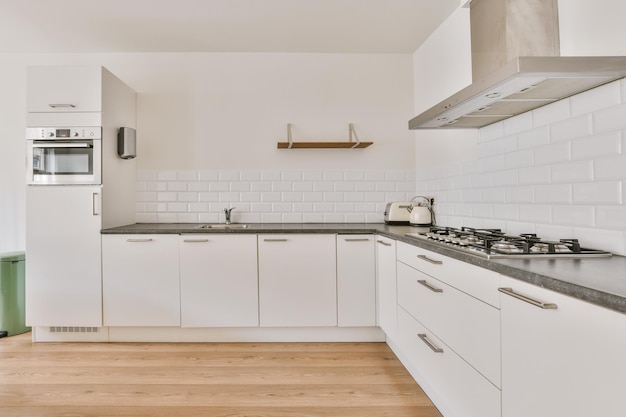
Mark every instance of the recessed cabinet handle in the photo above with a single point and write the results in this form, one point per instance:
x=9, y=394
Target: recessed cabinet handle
x=536, y=303
x=60, y=105
x=274, y=240
x=432, y=261
x=195, y=240
x=383, y=243
x=429, y=285
x=95, y=204
x=138, y=240
x=357, y=240
x=429, y=343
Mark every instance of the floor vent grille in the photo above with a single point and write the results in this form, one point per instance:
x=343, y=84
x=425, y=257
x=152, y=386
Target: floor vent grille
x=69, y=329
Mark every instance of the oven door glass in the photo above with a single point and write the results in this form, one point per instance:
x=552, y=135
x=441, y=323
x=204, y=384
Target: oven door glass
x=57, y=162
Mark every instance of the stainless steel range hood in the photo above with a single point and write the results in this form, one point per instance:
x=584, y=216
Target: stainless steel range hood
x=504, y=28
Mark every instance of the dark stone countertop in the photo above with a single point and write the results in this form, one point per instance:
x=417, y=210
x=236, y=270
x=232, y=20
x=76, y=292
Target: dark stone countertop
x=600, y=281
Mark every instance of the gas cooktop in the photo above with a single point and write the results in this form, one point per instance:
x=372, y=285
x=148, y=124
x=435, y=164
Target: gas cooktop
x=495, y=244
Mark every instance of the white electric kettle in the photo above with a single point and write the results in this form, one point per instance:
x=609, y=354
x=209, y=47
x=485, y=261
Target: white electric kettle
x=421, y=213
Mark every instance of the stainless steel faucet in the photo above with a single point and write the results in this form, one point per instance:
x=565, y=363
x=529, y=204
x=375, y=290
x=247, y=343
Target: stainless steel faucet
x=227, y=212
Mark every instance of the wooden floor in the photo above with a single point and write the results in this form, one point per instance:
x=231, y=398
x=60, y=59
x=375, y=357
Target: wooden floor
x=205, y=380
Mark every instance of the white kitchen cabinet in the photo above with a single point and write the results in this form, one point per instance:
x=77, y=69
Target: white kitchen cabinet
x=457, y=341
x=63, y=277
x=62, y=89
x=141, y=285
x=386, y=285
x=451, y=383
x=297, y=280
x=219, y=280
x=561, y=356
x=356, y=280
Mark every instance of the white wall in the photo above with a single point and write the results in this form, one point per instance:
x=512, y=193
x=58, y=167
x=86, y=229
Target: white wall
x=592, y=28
x=225, y=112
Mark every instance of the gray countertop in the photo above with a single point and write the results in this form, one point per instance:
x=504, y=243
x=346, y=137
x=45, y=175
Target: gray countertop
x=601, y=281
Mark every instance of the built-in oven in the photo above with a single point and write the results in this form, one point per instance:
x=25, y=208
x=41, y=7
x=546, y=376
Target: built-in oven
x=64, y=155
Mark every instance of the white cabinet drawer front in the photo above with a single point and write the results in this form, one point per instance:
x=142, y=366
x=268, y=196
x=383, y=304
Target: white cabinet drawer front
x=469, y=326
x=478, y=282
x=458, y=388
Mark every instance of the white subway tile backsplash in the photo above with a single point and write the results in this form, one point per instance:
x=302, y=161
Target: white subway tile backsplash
x=610, y=168
x=577, y=127
x=250, y=176
x=166, y=196
x=555, y=194
x=146, y=175
x=597, y=192
x=573, y=215
x=535, y=213
x=534, y=138
x=595, y=99
x=520, y=194
x=578, y=171
x=491, y=132
x=292, y=175
x=167, y=175
x=613, y=118
x=282, y=186
x=596, y=146
x=494, y=195
x=551, y=154
x=534, y=175
x=208, y=176
x=508, y=177
x=219, y=186
x=333, y=176
x=292, y=196
x=345, y=186
x=187, y=175
x=271, y=176
x=519, y=159
x=611, y=217
x=518, y=124
x=506, y=211
x=187, y=196
x=242, y=186
x=395, y=176
x=608, y=240
x=209, y=196
x=313, y=175
x=551, y=113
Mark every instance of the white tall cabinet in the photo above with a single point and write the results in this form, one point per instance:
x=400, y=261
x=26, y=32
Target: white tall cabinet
x=63, y=222
x=63, y=284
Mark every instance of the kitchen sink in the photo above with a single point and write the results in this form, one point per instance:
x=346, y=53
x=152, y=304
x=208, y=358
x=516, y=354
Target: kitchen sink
x=224, y=226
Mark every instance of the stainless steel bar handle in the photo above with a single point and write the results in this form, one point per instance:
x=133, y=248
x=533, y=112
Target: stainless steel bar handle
x=62, y=145
x=56, y=105
x=357, y=240
x=383, y=243
x=432, y=261
x=430, y=344
x=536, y=303
x=138, y=240
x=274, y=240
x=95, y=204
x=429, y=285
x=195, y=240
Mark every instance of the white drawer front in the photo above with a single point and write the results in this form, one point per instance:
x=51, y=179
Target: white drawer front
x=469, y=326
x=454, y=385
x=478, y=282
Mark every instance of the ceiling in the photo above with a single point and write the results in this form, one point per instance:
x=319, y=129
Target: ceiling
x=318, y=26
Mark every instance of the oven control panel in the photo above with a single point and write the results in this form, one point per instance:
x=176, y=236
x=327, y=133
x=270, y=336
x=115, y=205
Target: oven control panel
x=63, y=133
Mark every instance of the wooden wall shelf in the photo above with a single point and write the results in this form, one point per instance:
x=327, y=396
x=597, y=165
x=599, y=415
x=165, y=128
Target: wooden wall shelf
x=353, y=143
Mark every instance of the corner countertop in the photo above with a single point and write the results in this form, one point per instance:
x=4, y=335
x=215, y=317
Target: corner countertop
x=600, y=281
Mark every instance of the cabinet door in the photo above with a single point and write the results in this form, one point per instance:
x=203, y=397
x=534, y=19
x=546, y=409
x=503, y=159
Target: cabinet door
x=386, y=282
x=140, y=280
x=564, y=360
x=219, y=280
x=356, y=280
x=297, y=280
x=63, y=277
x=55, y=89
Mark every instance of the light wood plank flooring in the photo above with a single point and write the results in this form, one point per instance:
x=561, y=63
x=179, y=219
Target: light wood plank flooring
x=205, y=380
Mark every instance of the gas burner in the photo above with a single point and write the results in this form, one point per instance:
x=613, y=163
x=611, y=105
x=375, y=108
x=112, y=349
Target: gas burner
x=494, y=243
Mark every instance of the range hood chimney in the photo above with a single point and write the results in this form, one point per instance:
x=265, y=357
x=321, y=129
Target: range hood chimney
x=516, y=66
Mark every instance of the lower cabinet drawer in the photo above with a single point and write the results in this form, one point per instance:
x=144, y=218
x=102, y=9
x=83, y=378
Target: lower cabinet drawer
x=469, y=326
x=456, y=388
